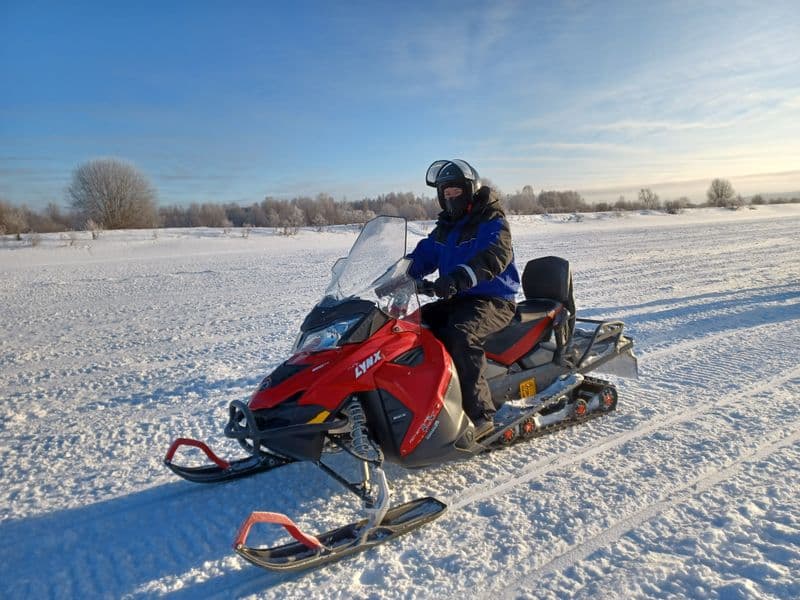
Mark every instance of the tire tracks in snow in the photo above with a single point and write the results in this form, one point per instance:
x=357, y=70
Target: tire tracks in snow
x=543, y=467
x=668, y=500
x=697, y=375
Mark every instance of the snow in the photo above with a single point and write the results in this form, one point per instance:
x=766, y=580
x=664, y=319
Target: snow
x=111, y=348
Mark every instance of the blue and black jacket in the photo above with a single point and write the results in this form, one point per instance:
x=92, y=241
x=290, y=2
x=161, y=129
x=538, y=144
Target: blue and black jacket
x=479, y=243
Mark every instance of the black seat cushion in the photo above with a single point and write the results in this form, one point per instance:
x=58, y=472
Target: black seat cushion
x=535, y=309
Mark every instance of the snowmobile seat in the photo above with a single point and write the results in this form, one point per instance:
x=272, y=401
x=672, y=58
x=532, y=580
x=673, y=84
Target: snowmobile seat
x=535, y=310
x=550, y=277
x=549, y=303
x=532, y=323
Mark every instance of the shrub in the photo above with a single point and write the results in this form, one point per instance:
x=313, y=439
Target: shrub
x=674, y=207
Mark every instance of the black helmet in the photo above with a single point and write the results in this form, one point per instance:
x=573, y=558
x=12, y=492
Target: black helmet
x=454, y=173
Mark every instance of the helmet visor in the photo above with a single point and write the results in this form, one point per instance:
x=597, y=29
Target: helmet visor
x=433, y=172
x=436, y=167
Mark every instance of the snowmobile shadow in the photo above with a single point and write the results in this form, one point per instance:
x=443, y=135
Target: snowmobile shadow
x=683, y=318
x=175, y=537
x=734, y=297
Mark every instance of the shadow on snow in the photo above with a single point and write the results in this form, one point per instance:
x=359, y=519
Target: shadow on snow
x=175, y=537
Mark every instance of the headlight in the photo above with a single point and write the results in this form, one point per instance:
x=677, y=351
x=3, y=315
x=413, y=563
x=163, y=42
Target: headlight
x=326, y=337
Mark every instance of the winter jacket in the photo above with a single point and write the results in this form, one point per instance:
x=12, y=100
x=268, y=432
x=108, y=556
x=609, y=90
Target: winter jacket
x=480, y=243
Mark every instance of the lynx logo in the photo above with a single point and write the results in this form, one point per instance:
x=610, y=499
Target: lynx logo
x=366, y=365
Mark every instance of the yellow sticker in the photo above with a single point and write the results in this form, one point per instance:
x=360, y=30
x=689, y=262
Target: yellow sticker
x=527, y=388
x=320, y=418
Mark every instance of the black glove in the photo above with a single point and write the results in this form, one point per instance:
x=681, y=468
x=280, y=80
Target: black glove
x=388, y=288
x=425, y=287
x=448, y=286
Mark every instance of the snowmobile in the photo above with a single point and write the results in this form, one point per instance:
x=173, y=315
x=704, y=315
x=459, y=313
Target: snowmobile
x=368, y=378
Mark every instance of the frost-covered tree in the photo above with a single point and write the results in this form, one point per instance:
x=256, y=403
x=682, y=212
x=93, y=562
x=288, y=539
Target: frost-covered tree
x=675, y=207
x=720, y=193
x=648, y=199
x=12, y=220
x=113, y=194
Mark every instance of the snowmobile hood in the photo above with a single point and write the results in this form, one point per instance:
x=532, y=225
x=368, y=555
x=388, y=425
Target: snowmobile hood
x=327, y=378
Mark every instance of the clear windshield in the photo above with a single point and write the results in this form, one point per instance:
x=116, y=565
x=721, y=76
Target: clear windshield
x=376, y=269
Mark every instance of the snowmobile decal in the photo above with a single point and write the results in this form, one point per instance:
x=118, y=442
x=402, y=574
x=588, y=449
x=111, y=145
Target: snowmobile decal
x=427, y=427
x=320, y=418
x=366, y=365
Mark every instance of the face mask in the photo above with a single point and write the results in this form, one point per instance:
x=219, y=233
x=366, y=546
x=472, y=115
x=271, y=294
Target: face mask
x=456, y=206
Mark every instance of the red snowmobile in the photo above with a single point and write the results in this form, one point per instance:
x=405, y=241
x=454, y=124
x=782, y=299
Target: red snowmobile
x=366, y=377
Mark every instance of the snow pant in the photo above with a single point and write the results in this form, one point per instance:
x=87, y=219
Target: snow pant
x=462, y=323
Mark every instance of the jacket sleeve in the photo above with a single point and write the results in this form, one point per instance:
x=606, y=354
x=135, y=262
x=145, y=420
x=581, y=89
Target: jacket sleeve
x=425, y=258
x=495, y=253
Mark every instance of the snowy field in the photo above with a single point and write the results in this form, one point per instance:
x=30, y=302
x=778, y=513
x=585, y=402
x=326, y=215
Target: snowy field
x=111, y=348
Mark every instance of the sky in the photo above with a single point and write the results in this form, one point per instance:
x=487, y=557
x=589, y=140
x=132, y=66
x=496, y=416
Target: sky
x=232, y=102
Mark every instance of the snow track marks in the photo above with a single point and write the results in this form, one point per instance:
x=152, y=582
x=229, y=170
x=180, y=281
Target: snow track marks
x=669, y=499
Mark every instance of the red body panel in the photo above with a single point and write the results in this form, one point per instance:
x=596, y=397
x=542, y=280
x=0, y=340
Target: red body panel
x=331, y=376
x=421, y=388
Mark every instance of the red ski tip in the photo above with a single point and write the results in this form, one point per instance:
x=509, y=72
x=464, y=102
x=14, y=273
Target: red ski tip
x=221, y=463
x=279, y=519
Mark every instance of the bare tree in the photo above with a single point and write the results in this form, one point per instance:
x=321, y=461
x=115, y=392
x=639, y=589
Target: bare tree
x=648, y=198
x=113, y=194
x=720, y=193
x=319, y=221
x=674, y=207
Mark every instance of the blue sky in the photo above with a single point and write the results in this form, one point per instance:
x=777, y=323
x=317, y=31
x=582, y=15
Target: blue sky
x=234, y=101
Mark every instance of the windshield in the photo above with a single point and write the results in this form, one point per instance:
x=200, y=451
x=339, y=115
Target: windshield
x=376, y=269
x=381, y=244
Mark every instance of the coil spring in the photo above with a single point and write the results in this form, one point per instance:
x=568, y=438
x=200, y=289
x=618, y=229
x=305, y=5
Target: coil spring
x=362, y=446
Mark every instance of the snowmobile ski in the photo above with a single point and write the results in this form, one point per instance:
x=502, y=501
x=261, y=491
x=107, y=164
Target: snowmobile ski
x=312, y=551
x=221, y=470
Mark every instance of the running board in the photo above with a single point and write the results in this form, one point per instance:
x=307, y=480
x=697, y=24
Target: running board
x=571, y=400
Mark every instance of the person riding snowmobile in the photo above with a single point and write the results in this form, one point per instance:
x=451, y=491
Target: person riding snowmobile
x=478, y=279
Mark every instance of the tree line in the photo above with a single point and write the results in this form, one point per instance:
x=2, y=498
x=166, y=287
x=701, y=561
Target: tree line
x=112, y=194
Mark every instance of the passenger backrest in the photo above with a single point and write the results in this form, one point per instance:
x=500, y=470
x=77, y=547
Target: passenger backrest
x=550, y=277
x=547, y=277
